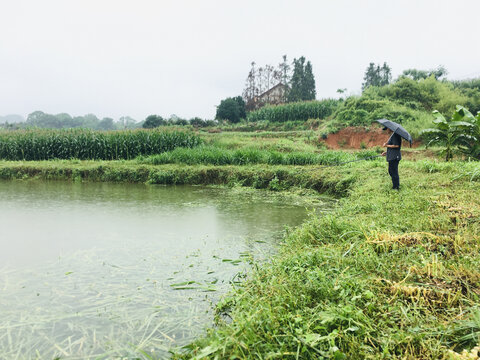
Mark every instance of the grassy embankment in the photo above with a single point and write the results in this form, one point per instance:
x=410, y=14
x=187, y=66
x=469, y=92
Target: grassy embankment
x=266, y=163
x=388, y=275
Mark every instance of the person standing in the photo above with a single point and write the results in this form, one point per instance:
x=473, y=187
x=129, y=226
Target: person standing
x=393, y=154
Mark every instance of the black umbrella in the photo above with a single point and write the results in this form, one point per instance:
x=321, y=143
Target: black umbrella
x=396, y=128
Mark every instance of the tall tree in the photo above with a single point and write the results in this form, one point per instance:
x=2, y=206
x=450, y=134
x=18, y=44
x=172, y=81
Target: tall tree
x=295, y=93
x=251, y=88
x=268, y=72
x=377, y=76
x=302, y=83
x=262, y=79
x=385, y=74
x=309, y=91
x=284, y=73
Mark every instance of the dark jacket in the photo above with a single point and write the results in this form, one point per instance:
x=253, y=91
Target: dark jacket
x=394, y=154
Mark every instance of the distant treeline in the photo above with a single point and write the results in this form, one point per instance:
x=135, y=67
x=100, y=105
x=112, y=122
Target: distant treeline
x=153, y=121
x=11, y=119
x=39, y=119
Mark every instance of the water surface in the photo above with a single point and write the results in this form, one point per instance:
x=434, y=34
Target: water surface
x=106, y=270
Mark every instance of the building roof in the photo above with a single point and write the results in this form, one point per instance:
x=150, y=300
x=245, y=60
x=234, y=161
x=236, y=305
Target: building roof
x=271, y=89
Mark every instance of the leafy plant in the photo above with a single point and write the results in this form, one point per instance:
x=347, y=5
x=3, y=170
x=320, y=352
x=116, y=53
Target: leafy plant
x=462, y=131
x=469, y=141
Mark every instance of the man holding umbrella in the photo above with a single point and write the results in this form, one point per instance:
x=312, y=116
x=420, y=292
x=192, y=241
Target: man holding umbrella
x=394, y=145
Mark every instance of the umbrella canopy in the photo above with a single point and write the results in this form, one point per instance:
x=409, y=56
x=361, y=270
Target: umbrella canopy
x=396, y=128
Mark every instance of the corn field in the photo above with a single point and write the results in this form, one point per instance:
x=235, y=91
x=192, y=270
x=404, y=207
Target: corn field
x=303, y=110
x=88, y=144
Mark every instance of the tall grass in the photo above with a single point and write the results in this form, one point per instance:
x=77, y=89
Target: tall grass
x=388, y=275
x=88, y=144
x=295, y=111
x=211, y=155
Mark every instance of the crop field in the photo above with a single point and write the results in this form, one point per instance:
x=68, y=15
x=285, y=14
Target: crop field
x=89, y=144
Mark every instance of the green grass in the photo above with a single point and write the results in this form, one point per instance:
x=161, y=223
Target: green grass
x=247, y=156
x=273, y=177
x=266, y=140
x=391, y=275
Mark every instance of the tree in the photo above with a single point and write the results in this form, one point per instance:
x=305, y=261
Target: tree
x=416, y=74
x=377, y=76
x=106, y=124
x=251, y=90
x=308, y=88
x=241, y=107
x=153, y=121
x=197, y=122
x=267, y=79
x=302, y=82
x=342, y=91
x=262, y=79
x=283, y=74
x=127, y=122
x=229, y=109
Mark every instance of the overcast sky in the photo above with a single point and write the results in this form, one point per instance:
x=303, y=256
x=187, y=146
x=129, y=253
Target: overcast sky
x=117, y=57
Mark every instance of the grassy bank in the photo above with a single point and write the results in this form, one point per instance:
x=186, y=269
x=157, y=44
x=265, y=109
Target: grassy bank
x=246, y=156
x=258, y=176
x=391, y=275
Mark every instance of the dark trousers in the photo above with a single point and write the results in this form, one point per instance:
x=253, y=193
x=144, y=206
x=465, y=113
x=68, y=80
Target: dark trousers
x=393, y=172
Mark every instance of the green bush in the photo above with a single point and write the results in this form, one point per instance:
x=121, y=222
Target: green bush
x=89, y=144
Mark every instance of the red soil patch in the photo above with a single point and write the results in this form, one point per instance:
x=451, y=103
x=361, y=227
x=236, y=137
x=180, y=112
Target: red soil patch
x=357, y=138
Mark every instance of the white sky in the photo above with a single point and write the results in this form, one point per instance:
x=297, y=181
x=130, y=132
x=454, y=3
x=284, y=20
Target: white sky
x=118, y=57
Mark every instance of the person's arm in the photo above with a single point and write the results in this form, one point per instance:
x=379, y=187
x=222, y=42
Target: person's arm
x=392, y=143
x=389, y=144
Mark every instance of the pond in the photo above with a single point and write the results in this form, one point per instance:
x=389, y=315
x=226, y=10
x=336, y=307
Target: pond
x=95, y=270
